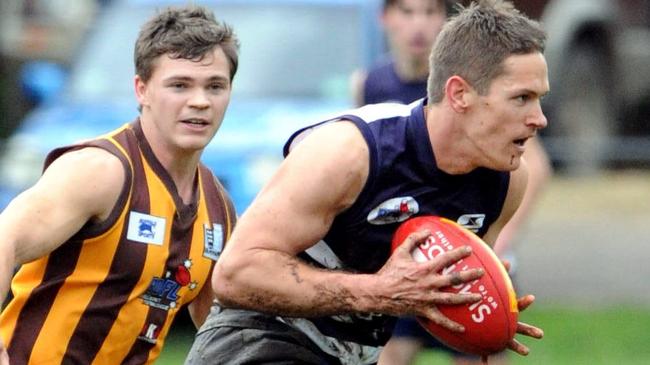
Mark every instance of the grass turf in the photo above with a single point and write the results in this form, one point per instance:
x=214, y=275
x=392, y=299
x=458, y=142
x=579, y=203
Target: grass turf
x=573, y=337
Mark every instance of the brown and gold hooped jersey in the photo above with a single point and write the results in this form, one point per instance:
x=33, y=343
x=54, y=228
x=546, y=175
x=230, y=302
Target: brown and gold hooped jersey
x=109, y=294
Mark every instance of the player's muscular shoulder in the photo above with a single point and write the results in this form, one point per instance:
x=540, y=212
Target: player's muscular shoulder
x=338, y=143
x=324, y=172
x=91, y=177
x=341, y=154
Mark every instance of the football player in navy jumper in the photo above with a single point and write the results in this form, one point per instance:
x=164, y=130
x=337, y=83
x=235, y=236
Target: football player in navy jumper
x=308, y=275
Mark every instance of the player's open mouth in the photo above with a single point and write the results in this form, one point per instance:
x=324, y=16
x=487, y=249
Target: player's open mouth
x=196, y=121
x=520, y=142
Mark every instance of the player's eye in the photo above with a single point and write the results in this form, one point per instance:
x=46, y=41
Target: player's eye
x=178, y=85
x=433, y=11
x=405, y=10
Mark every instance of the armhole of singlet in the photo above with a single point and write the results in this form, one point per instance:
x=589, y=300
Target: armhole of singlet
x=95, y=229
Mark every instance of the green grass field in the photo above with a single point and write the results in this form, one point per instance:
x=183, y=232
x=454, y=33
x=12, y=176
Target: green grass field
x=614, y=336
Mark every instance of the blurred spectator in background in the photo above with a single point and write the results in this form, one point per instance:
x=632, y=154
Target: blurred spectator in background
x=411, y=27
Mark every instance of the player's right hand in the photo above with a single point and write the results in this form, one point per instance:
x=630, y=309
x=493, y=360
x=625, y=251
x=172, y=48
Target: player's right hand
x=413, y=288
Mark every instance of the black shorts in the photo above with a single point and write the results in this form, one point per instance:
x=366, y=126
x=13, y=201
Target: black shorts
x=238, y=337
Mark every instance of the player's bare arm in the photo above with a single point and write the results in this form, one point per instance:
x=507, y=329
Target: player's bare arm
x=79, y=186
x=259, y=269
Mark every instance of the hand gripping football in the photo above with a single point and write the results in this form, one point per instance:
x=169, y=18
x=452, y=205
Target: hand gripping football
x=490, y=323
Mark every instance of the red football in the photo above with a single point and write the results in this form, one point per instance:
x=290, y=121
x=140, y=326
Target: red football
x=490, y=323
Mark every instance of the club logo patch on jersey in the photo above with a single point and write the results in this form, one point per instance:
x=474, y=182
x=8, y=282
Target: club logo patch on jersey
x=394, y=210
x=213, y=241
x=163, y=292
x=473, y=222
x=146, y=228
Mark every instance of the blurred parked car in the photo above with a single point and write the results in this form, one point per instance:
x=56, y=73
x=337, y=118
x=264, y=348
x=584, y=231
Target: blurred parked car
x=29, y=29
x=598, y=55
x=296, y=56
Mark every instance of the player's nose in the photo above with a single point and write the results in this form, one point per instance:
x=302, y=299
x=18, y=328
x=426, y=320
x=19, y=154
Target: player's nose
x=538, y=119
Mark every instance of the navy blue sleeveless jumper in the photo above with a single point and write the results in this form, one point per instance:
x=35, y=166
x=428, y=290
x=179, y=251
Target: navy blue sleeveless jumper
x=403, y=182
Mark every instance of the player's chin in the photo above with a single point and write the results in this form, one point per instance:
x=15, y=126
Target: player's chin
x=194, y=143
x=513, y=162
x=506, y=163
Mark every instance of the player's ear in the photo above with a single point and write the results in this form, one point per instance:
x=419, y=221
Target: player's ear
x=140, y=90
x=459, y=93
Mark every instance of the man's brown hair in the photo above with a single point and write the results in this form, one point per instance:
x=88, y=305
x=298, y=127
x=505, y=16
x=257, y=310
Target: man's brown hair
x=188, y=32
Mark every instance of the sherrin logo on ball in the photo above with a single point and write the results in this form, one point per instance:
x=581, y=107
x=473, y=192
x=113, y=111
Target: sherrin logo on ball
x=489, y=323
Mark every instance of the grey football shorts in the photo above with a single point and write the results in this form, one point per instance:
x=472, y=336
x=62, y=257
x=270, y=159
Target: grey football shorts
x=238, y=337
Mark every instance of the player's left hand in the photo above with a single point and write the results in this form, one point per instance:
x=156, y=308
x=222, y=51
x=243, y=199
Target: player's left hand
x=524, y=328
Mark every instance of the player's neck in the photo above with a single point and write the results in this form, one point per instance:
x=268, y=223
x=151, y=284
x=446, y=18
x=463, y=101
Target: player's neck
x=180, y=165
x=447, y=141
x=183, y=172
